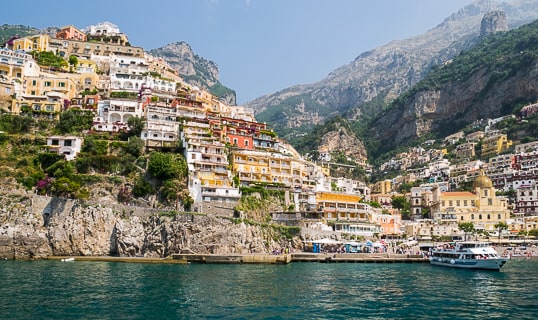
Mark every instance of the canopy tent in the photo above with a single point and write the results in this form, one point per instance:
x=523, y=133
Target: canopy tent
x=325, y=241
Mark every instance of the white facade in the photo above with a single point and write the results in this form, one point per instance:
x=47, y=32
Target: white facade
x=119, y=110
x=102, y=28
x=69, y=146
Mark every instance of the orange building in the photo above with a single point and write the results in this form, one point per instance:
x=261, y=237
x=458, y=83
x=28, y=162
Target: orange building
x=70, y=33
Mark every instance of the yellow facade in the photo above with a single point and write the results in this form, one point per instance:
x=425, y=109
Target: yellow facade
x=252, y=167
x=32, y=43
x=266, y=167
x=384, y=187
x=481, y=207
x=47, y=83
x=495, y=144
x=342, y=206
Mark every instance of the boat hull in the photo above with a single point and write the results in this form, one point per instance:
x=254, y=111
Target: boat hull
x=487, y=264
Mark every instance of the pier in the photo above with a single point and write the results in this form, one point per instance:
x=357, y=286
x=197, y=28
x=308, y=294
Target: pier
x=260, y=258
x=301, y=257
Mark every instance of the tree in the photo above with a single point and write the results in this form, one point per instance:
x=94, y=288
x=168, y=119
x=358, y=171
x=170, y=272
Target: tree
x=166, y=166
x=74, y=121
x=73, y=62
x=398, y=202
x=401, y=203
x=136, y=125
x=171, y=191
x=500, y=226
x=405, y=187
x=467, y=228
x=134, y=146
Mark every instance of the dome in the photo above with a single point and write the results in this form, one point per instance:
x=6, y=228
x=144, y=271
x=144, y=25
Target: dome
x=482, y=181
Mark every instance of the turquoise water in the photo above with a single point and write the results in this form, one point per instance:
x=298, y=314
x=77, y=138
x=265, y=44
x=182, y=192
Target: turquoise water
x=102, y=290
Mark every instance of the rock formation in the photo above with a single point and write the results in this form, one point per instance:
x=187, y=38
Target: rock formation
x=493, y=22
x=34, y=227
x=194, y=69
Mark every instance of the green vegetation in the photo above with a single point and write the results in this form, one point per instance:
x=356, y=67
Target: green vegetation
x=7, y=31
x=49, y=59
x=221, y=91
x=74, y=121
x=123, y=95
x=165, y=166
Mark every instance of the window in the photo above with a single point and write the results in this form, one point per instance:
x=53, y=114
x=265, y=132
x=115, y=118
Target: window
x=246, y=143
x=34, y=82
x=55, y=142
x=68, y=143
x=61, y=84
x=465, y=203
x=472, y=216
x=48, y=83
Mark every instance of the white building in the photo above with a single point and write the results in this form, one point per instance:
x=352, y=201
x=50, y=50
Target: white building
x=69, y=146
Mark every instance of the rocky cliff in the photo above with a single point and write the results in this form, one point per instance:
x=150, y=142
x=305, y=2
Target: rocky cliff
x=488, y=81
x=343, y=141
x=34, y=227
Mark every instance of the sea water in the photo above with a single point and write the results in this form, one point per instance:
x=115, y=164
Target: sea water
x=105, y=290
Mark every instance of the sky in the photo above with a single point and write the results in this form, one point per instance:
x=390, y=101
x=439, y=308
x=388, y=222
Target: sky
x=260, y=46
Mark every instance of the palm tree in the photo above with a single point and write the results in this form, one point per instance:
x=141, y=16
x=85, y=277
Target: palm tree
x=500, y=226
x=466, y=227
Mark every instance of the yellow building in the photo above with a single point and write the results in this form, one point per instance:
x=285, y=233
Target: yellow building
x=251, y=166
x=32, y=43
x=481, y=207
x=384, y=187
x=342, y=206
x=495, y=144
x=45, y=94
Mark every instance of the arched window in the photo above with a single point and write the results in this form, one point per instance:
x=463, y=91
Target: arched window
x=472, y=216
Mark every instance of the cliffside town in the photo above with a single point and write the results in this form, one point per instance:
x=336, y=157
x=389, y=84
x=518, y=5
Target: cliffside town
x=240, y=173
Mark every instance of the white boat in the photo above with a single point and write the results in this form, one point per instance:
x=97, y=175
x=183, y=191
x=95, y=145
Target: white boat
x=468, y=254
x=68, y=259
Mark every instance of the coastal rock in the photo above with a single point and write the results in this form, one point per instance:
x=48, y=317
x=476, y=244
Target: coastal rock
x=34, y=227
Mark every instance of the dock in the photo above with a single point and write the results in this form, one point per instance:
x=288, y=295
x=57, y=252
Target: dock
x=302, y=257
x=258, y=258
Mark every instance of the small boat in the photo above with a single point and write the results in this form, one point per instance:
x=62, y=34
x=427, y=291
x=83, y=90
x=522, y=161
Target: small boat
x=68, y=259
x=468, y=254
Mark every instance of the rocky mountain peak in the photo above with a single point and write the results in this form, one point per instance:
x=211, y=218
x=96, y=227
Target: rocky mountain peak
x=194, y=69
x=493, y=22
x=345, y=142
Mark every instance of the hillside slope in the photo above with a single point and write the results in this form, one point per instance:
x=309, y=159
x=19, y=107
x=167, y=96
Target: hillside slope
x=368, y=84
x=493, y=79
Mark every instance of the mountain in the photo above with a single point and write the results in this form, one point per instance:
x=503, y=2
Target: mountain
x=194, y=69
x=495, y=78
x=365, y=87
x=7, y=31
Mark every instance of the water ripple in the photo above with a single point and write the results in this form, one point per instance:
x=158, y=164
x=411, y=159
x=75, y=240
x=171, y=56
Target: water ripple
x=97, y=290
